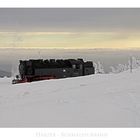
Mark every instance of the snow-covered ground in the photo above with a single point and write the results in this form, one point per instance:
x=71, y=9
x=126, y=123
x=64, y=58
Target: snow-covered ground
x=101, y=100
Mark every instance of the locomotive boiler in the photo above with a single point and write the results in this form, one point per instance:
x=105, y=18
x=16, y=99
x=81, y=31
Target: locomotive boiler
x=35, y=70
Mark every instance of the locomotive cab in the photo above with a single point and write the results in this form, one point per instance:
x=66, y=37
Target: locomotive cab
x=34, y=70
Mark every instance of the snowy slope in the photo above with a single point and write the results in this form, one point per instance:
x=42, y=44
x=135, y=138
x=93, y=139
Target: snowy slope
x=103, y=100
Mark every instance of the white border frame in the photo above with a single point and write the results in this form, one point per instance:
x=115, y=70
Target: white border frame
x=64, y=133
x=69, y=3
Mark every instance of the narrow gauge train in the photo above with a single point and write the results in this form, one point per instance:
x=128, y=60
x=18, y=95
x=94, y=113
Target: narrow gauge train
x=35, y=70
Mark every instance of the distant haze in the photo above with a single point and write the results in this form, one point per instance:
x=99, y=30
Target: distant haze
x=9, y=58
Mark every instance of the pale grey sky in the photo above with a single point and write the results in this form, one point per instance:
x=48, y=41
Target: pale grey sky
x=69, y=19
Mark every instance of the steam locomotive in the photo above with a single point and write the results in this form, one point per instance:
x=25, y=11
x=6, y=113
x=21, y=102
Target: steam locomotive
x=35, y=70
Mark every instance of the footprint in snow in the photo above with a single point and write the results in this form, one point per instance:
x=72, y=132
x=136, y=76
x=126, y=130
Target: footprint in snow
x=26, y=93
x=63, y=101
x=82, y=85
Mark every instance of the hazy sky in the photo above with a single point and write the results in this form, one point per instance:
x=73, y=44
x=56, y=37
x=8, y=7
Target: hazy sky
x=70, y=28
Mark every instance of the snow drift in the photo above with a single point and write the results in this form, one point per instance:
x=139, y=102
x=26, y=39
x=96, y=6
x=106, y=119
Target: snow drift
x=101, y=100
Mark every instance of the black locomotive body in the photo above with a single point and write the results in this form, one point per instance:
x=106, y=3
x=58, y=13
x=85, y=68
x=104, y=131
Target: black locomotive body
x=34, y=70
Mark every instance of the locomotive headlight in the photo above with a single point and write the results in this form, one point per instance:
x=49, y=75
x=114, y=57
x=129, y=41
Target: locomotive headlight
x=64, y=70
